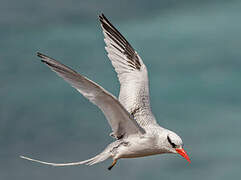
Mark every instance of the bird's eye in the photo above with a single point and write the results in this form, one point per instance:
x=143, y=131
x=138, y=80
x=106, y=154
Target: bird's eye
x=172, y=144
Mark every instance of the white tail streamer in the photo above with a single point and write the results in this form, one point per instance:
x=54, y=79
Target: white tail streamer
x=99, y=158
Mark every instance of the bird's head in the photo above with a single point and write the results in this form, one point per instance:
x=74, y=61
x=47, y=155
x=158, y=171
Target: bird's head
x=174, y=144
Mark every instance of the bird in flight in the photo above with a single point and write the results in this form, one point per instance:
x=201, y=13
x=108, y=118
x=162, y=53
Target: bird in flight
x=135, y=129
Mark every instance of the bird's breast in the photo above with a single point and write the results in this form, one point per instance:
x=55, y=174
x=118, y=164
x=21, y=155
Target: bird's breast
x=138, y=147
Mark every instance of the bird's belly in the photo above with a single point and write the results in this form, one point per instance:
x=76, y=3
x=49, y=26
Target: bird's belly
x=138, y=149
x=138, y=154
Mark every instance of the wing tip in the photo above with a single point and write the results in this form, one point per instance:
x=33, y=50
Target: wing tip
x=41, y=55
x=45, y=59
x=103, y=20
x=101, y=16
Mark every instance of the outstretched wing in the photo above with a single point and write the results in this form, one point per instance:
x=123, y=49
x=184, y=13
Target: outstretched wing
x=132, y=74
x=119, y=119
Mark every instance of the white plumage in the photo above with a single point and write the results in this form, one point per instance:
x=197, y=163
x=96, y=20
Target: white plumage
x=133, y=124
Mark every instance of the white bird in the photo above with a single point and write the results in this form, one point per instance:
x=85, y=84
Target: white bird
x=134, y=126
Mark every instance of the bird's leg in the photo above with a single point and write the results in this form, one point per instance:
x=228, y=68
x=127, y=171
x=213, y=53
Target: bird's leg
x=112, y=165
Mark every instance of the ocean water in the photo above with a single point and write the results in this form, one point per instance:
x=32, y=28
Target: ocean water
x=192, y=52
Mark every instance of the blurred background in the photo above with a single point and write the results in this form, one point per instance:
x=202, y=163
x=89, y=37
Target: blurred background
x=191, y=49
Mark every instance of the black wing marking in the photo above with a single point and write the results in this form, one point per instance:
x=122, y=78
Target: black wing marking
x=123, y=45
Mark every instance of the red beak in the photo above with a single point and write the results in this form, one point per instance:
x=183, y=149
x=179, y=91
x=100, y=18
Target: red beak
x=183, y=154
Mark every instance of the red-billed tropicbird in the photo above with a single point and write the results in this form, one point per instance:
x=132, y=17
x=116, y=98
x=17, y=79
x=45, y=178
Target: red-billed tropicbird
x=134, y=126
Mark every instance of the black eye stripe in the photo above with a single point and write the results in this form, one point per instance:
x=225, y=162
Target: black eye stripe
x=172, y=144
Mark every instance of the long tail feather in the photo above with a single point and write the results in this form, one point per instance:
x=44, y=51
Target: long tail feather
x=99, y=158
x=55, y=164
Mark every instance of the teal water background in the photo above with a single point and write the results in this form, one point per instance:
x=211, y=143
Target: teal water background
x=192, y=50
